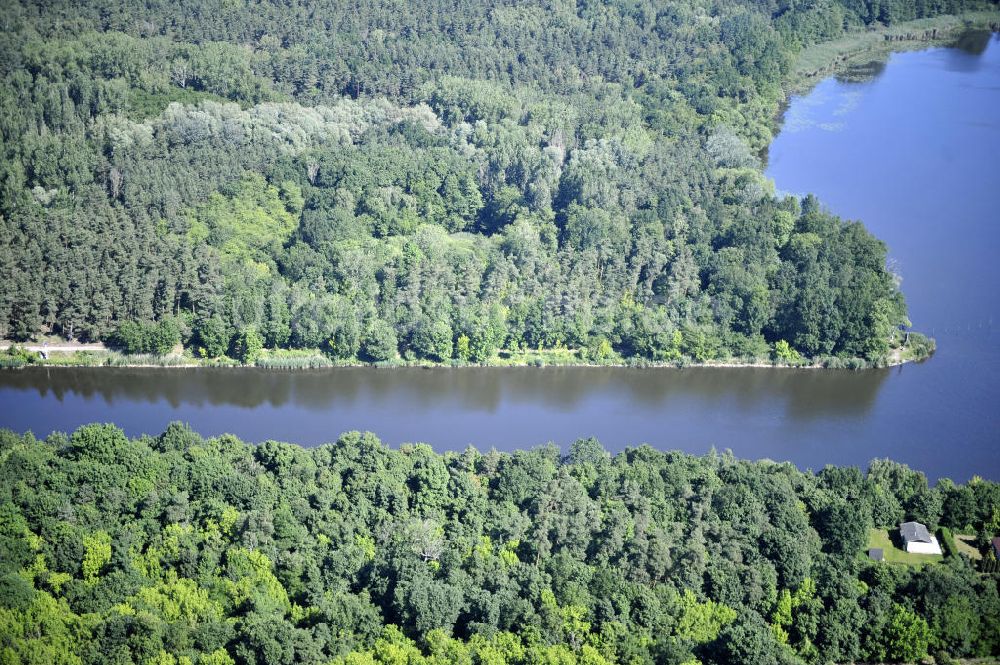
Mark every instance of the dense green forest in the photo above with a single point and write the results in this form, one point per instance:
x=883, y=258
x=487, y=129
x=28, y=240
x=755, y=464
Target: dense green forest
x=426, y=180
x=178, y=549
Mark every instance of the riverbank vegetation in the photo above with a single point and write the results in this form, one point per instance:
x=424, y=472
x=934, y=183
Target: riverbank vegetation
x=436, y=183
x=178, y=549
x=911, y=347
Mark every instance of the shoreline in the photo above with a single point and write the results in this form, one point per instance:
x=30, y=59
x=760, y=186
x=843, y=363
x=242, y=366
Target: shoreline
x=867, y=48
x=820, y=61
x=106, y=358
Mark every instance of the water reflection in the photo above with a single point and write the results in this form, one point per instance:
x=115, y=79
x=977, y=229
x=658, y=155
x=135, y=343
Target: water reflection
x=798, y=394
x=759, y=412
x=862, y=73
x=965, y=57
x=971, y=42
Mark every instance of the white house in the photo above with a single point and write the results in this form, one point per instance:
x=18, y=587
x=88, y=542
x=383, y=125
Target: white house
x=917, y=539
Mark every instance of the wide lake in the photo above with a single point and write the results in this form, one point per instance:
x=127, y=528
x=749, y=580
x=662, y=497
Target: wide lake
x=913, y=150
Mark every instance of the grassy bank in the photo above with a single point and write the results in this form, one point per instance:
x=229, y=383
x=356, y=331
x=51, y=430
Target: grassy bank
x=861, y=49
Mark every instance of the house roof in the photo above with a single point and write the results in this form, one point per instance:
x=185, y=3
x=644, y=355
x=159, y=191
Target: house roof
x=996, y=544
x=876, y=554
x=914, y=532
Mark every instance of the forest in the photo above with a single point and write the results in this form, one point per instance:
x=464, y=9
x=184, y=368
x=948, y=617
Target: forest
x=426, y=180
x=445, y=181
x=180, y=550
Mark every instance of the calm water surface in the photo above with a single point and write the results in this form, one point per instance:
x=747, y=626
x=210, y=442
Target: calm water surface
x=914, y=153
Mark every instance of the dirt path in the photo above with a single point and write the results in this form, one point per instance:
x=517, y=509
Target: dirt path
x=61, y=347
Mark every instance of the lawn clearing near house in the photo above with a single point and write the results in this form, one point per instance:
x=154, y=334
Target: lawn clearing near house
x=893, y=554
x=966, y=545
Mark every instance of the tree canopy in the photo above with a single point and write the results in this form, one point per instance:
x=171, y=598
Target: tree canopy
x=179, y=549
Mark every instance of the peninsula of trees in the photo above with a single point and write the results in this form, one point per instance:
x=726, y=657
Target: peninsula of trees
x=175, y=549
x=426, y=180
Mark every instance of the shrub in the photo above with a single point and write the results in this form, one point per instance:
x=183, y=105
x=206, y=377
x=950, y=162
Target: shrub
x=16, y=356
x=783, y=352
x=133, y=337
x=432, y=339
x=211, y=337
x=379, y=343
x=247, y=346
x=947, y=541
